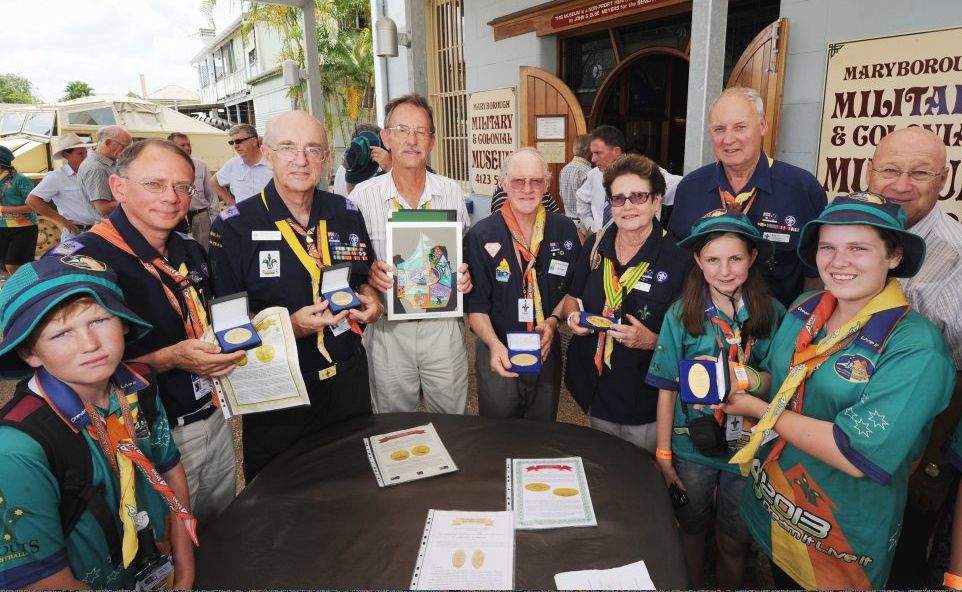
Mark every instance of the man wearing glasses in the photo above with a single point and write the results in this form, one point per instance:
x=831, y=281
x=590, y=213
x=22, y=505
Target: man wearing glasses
x=523, y=259
x=95, y=170
x=423, y=356
x=164, y=275
x=276, y=246
x=247, y=173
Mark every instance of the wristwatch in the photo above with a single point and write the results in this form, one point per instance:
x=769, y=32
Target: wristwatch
x=932, y=470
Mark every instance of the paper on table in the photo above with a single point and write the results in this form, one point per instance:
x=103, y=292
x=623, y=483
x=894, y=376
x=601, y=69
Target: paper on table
x=407, y=455
x=269, y=378
x=633, y=576
x=466, y=551
x=549, y=493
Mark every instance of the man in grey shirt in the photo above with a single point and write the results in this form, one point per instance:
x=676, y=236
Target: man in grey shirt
x=95, y=171
x=573, y=176
x=204, y=204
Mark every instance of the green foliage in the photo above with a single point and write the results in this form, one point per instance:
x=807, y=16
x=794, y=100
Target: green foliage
x=133, y=95
x=15, y=89
x=76, y=89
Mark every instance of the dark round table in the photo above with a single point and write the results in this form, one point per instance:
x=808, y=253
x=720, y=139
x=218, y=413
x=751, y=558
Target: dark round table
x=315, y=517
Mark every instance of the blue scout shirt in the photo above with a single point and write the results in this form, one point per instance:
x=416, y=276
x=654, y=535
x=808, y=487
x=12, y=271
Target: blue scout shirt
x=674, y=345
x=249, y=254
x=824, y=528
x=496, y=274
x=32, y=546
x=620, y=394
x=788, y=198
x=146, y=298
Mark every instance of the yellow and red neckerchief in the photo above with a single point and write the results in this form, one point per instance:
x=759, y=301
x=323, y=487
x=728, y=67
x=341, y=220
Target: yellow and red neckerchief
x=525, y=252
x=615, y=290
x=744, y=200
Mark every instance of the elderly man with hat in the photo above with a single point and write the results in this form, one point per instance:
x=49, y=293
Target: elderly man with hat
x=74, y=214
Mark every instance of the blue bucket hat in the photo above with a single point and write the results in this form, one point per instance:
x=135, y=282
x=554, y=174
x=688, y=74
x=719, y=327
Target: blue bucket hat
x=36, y=288
x=357, y=157
x=728, y=221
x=6, y=157
x=868, y=209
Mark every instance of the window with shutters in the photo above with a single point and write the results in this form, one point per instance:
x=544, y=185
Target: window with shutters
x=445, y=26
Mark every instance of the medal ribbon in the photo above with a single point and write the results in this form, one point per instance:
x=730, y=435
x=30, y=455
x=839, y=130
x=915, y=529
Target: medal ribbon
x=524, y=252
x=805, y=361
x=744, y=200
x=615, y=289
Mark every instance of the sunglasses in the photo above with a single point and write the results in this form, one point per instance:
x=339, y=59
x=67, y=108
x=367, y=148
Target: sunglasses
x=636, y=197
x=241, y=140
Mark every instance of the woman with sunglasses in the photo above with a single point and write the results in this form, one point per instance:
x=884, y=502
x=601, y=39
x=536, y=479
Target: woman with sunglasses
x=725, y=306
x=857, y=378
x=629, y=273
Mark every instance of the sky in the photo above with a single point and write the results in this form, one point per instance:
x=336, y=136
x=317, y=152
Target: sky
x=105, y=43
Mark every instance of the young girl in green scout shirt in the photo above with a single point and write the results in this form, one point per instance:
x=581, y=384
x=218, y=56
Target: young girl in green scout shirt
x=857, y=379
x=725, y=305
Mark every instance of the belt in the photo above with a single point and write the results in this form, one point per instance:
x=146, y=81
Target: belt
x=195, y=212
x=84, y=227
x=195, y=416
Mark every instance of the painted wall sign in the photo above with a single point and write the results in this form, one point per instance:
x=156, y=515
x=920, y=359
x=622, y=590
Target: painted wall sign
x=493, y=116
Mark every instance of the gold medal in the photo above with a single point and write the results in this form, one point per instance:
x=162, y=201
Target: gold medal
x=699, y=382
x=342, y=298
x=565, y=492
x=237, y=335
x=265, y=353
x=524, y=359
x=420, y=450
x=400, y=455
x=537, y=487
x=600, y=322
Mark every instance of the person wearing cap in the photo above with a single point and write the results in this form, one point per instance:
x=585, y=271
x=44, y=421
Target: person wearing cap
x=166, y=279
x=523, y=260
x=857, y=377
x=630, y=272
x=18, y=222
x=779, y=198
x=74, y=214
x=204, y=205
x=246, y=174
x=64, y=322
x=94, y=172
x=726, y=306
x=365, y=157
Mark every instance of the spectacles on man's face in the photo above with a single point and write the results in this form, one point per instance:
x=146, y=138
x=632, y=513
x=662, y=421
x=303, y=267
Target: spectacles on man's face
x=289, y=152
x=536, y=183
x=919, y=175
x=636, y=197
x=404, y=131
x=152, y=186
x=239, y=140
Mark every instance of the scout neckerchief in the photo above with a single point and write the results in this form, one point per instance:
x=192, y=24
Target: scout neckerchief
x=737, y=351
x=312, y=259
x=744, y=200
x=806, y=360
x=528, y=254
x=116, y=439
x=615, y=289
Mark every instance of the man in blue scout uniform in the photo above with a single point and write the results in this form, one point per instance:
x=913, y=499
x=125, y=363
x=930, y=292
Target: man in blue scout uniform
x=82, y=420
x=778, y=198
x=164, y=276
x=275, y=247
x=523, y=260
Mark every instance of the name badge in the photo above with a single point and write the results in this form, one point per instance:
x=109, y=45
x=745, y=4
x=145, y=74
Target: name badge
x=270, y=263
x=733, y=427
x=642, y=286
x=340, y=327
x=202, y=386
x=525, y=310
x=266, y=235
x=558, y=267
x=777, y=237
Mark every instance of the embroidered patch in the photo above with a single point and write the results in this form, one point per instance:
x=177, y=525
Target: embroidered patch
x=661, y=277
x=769, y=217
x=84, y=262
x=349, y=205
x=67, y=248
x=270, y=263
x=790, y=220
x=229, y=212
x=867, y=197
x=569, y=245
x=333, y=239
x=354, y=239
x=503, y=272
x=492, y=248
x=854, y=368
x=715, y=213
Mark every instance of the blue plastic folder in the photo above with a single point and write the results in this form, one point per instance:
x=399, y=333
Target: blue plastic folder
x=232, y=324
x=336, y=288
x=704, y=382
x=524, y=351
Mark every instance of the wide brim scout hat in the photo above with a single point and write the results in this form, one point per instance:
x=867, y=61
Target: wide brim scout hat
x=68, y=141
x=357, y=157
x=868, y=209
x=729, y=221
x=36, y=288
x=6, y=157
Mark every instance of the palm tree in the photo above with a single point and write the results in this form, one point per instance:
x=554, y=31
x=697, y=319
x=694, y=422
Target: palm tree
x=76, y=89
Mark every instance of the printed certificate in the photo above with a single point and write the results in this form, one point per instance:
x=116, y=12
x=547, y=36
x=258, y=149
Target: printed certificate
x=466, y=551
x=407, y=455
x=548, y=493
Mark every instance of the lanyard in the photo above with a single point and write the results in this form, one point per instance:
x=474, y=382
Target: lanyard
x=397, y=205
x=615, y=291
x=528, y=253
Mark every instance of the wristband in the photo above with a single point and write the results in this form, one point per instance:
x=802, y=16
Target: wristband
x=741, y=375
x=555, y=317
x=952, y=581
x=662, y=454
x=758, y=380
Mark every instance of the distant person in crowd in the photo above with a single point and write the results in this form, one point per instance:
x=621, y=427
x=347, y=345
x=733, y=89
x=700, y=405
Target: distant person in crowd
x=18, y=222
x=365, y=157
x=573, y=176
x=62, y=187
x=630, y=272
x=426, y=356
x=778, y=198
x=95, y=171
x=204, y=205
x=523, y=258
x=909, y=168
x=246, y=174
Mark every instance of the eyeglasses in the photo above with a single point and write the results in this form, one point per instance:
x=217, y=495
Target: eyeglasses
x=182, y=189
x=404, y=131
x=239, y=141
x=312, y=153
x=637, y=197
x=919, y=175
x=537, y=183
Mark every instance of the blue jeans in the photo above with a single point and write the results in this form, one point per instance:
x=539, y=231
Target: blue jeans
x=711, y=491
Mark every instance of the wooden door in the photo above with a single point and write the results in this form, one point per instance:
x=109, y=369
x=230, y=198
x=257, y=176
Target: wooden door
x=762, y=67
x=543, y=93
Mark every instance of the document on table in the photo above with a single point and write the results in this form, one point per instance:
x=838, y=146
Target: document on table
x=466, y=551
x=548, y=493
x=633, y=576
x=407, y=455
x=269, y=377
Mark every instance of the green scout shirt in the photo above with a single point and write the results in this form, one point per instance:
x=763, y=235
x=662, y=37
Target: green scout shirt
x=824, y=528
x=13, y=192
x=32, y=545
x=674, y=345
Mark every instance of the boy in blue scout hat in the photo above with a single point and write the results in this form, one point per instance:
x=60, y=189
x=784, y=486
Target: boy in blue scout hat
x=87, y=452
x=725, y=305
x=365, y=157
